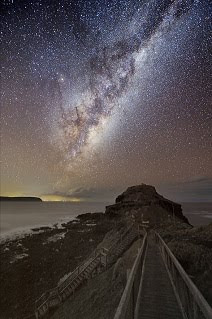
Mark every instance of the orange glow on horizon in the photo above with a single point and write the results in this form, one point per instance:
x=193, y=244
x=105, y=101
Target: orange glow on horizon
x=46, y=198
x=57, y=198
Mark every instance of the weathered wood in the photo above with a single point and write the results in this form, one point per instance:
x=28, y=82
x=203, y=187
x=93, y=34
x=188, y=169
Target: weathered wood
x=192, y=301
x=165, y=290
x=127, y=297
x=84, y=271
x=157, y=299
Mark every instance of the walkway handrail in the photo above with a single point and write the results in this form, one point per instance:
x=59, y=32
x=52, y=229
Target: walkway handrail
x=97, y=253
x=94, y=254
x=98, y=256
x=60, y=288
x=39, y=302
x=78, y=270
x=126, y=307
x=120, y=237
x=193, y=303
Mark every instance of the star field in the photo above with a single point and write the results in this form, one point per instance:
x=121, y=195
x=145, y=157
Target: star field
x=100, y=95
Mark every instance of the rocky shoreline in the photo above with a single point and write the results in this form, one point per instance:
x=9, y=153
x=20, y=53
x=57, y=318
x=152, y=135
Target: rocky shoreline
x=36, y=262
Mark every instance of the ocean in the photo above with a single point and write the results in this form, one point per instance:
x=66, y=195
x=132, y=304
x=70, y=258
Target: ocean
x=16, y=216
x=20, y=216
x=198, y=213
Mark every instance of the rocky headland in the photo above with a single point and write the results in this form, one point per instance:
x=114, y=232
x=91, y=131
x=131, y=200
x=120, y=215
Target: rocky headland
x=142, y=202
x=38, y=261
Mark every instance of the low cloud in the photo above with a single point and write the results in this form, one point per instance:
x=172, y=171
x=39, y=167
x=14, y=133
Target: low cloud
x=84, y=194
x=196, y=189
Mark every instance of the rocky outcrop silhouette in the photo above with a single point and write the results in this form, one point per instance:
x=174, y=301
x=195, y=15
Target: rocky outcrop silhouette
x=142, y=202
x=20, y=199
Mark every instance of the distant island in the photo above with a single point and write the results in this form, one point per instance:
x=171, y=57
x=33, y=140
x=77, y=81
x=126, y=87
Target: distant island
x=42, y=255
x=20, y=199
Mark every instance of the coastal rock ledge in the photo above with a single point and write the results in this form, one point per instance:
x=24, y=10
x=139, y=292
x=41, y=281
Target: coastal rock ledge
x=142, y=202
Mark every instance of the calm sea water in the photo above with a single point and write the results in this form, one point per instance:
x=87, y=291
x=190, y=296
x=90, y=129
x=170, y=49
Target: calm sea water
x=17, y=216
x=198, y=213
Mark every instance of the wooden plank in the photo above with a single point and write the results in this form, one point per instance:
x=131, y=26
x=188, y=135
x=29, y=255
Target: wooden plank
x=157, y=298
x=198, y=298
x=126, y=297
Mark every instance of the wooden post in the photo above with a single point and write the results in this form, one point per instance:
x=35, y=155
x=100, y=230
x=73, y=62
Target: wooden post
x=58, y=293
x=128, y=273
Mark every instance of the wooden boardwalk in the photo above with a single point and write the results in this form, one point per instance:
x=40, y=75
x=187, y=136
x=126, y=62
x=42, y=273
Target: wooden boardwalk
x=100, y=259
x=157, y=297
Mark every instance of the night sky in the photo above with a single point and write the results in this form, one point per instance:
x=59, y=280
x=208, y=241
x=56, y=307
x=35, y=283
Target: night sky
x=100, y=95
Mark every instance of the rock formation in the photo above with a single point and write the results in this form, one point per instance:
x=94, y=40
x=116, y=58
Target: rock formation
x=20, y=199
x=143, y=203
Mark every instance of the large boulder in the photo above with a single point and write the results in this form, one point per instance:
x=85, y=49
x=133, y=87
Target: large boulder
x=142, y=202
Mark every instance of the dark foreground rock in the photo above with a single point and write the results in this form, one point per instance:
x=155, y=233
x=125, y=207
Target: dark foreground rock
x=99, y=298
x=35, y=263
x=142, y=202
x=20, y=199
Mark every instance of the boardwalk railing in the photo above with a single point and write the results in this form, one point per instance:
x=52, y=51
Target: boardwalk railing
x=100, y=257
x=193, y=304
x=126, y=307
x=123, y=240
x=53, y=294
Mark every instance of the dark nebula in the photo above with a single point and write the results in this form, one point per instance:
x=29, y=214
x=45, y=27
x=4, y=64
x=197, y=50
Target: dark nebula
x=99, y=95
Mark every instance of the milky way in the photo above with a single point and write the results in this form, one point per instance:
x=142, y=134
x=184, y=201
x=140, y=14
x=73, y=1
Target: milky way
x=110, y=71
x=99, y=95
